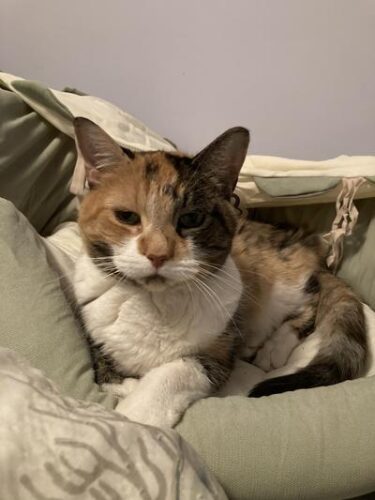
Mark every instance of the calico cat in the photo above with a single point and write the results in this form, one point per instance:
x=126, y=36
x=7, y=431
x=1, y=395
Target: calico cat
x=174, y=284
x=157, y=286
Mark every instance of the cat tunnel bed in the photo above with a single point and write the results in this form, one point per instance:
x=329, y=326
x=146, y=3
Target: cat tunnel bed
x=317, y=443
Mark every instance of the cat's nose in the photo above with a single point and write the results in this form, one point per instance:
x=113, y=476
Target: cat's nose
x=157, y=260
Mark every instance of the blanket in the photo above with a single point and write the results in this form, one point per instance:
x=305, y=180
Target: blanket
x=54, y=447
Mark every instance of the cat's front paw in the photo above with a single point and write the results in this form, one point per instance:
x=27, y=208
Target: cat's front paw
x=147, y=414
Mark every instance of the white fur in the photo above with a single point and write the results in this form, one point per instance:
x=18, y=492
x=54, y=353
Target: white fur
x=300, y=357
x=284, y=300
x=165, y=392
x=244, y=377
x=148, y=332
x=304, y=353
x=370, y=324
x=277, y=349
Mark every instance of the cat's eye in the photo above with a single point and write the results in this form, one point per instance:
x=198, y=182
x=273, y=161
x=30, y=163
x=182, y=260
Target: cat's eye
x=191, y=220
x=127, y=217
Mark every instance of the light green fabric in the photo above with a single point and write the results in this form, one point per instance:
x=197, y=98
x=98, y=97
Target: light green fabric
x=36, y=164
x=313, y=444
x=37, y=94
x=296, y=186
x=358, y=266
x=35, y=319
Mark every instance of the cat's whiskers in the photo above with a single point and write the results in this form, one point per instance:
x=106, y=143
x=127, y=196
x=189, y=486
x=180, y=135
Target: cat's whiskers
x=215, y=297
x=219, y=272
x=244, y=293
x=186, y=282
x=247, y=271
x=230, y=282
x=223, y=282
x=206, y=273
x=205, y=293
x=103, y=258
x=216, y=301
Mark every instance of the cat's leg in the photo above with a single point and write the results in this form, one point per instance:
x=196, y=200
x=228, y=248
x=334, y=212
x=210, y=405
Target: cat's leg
x=164, y=393
x=276, y=351
x=254, y=340
x=110, y=302
x=89, y=281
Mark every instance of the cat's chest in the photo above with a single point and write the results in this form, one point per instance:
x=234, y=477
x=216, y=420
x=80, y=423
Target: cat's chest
x=141, y=331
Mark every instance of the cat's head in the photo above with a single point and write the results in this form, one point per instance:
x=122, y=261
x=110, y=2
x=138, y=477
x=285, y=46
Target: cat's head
x=158, y=218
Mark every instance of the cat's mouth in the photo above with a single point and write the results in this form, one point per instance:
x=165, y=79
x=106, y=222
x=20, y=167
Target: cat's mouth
x=158, y=280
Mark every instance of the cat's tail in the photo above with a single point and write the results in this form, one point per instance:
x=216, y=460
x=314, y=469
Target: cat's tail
x=343, y=349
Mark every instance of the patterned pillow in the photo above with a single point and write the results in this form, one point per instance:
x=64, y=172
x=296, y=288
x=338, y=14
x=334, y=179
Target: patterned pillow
x=56, y=447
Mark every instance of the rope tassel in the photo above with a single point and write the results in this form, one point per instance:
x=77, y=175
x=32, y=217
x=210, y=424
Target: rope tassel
x=345, y=220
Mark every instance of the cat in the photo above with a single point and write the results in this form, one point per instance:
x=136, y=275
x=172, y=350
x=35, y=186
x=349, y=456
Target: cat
x=157, y=287
x=173, y=283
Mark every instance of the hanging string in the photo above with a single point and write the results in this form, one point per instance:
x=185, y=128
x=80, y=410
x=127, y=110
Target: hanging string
x=344, y=222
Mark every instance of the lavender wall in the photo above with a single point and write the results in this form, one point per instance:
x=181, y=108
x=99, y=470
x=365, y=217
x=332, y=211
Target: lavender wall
x=300, y=74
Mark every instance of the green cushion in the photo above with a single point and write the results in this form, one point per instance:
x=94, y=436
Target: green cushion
x=36, y=164
x=35, y=318
x=312, y=444
x=296, y=186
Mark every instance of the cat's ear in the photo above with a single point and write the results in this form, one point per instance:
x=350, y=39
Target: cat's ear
x=225, y=156
x=97, y=148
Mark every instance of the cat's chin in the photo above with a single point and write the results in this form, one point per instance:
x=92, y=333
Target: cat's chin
x=155, y=283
